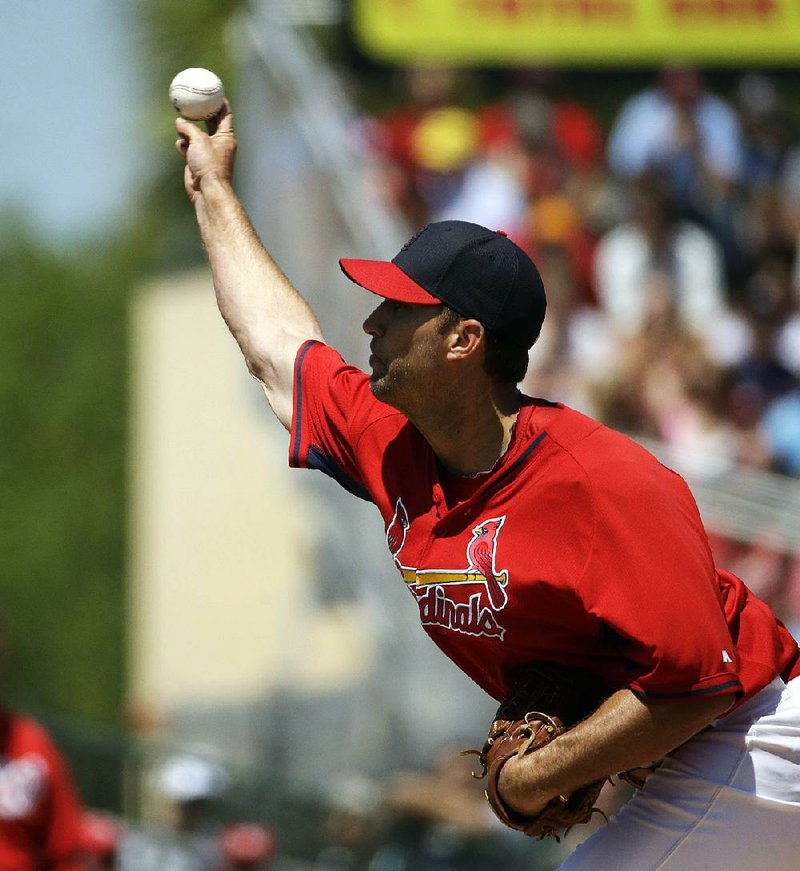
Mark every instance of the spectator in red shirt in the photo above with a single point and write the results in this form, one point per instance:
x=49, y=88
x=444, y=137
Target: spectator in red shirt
x=40, y=810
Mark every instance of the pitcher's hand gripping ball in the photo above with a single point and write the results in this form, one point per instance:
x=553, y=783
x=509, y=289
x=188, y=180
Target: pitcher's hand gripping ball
x=544, y=701
x=197, y=93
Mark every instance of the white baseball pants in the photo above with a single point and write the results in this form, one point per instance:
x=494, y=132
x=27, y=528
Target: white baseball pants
x=728, y=799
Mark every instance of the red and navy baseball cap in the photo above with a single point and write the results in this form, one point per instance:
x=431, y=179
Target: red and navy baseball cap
x=477, y=272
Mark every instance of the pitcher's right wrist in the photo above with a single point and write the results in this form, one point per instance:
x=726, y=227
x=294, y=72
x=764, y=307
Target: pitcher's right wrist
x=211, y=185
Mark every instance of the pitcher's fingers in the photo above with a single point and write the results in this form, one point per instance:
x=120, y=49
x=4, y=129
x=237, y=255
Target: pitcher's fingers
x=182, y=145
x=222, y=122
x=186, y=129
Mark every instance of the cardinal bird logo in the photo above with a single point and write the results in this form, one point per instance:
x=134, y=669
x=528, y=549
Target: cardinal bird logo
x=443, y=602
x=480, y=553
x=397, y=530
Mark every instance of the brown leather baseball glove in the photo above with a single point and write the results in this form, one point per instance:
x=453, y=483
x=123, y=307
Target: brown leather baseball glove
x=544, y=701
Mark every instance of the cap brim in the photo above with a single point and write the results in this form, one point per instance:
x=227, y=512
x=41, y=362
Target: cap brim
x=387, y=280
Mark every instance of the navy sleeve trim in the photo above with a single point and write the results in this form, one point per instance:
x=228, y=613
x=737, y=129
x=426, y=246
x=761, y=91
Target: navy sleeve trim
x=321, y=462
x=298, y=399
x=705, y=691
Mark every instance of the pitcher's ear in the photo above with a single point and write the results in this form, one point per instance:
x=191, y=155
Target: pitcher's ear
x=465, y=338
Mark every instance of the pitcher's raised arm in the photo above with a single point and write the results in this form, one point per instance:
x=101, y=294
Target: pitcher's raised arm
x=264, y=312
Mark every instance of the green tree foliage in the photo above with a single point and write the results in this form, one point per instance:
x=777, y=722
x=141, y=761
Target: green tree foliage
x=175, y=35
x=62, y=428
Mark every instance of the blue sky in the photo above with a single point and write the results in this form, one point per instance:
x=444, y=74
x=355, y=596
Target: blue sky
x=70, y=148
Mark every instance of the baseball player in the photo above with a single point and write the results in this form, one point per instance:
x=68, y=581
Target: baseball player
x=528, y=532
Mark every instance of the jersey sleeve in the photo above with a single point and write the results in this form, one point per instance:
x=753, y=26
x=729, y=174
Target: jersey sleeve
x=650, y=579
x=333, y=407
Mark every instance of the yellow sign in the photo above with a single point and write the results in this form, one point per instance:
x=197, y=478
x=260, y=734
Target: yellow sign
x=580, y=31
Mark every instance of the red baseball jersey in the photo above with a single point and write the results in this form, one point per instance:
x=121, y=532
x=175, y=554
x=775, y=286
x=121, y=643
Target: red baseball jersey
x=39, y=806
x=578, y=547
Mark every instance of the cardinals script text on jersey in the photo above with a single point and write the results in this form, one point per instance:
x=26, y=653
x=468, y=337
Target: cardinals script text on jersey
x=476, y=616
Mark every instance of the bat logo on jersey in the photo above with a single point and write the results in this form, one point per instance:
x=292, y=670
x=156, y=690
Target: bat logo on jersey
x=429, y=586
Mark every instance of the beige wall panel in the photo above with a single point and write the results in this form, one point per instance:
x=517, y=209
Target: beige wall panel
x=222, y=539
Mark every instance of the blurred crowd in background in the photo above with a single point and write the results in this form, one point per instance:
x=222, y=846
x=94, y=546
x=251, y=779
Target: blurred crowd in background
x=433, y=819
x=667, y=243
x=667, y=237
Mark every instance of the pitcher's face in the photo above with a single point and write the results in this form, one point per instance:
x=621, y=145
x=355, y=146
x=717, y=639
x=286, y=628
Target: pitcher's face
x=407, y=349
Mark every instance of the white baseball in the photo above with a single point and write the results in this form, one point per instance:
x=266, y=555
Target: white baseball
x=197, y=93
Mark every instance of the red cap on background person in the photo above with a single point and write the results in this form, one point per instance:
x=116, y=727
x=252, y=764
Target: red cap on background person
x=248, y=845
x=100, y=835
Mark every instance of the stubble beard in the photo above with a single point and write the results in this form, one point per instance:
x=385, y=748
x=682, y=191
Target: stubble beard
x=385, y=387
x=408, y=382
x=400, y=387
x=407, y=391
